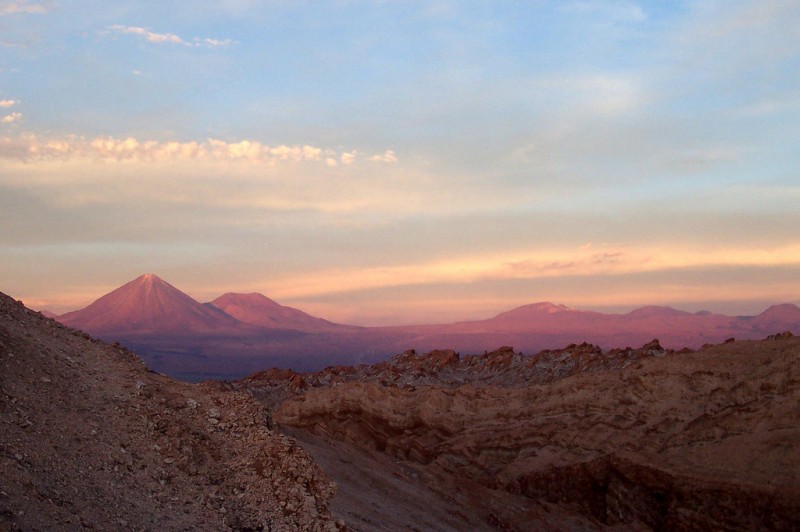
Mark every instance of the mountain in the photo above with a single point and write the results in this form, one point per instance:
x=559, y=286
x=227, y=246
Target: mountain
x=775, y=318
x=260, y=310
x=92, y=440
x=148, y=305
x=543, y=317
x=238, y=334
x=176, y=335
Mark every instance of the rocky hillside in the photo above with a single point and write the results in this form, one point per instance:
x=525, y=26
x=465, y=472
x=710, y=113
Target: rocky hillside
x=575, y=438
x=90, y=439
x=448, y=369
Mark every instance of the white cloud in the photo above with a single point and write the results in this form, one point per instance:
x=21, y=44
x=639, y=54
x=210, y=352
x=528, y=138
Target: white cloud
x=11, y=7
x=8, y=103
x=13, y=117
x=387, y=157
x=31, y=148
x=158, y=38
x=149, y=35
x=213, y=43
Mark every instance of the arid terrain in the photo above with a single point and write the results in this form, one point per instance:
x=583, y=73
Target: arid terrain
x=569, y=439
x=92, y=440
x=577, y=438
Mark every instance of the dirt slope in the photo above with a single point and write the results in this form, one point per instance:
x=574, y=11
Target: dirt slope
x=89, y=439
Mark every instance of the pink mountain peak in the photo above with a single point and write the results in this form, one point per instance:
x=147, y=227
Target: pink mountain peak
x=654, y=311
x=783, y=310
x=258, y=309
x=544, y=307
x=148, y=303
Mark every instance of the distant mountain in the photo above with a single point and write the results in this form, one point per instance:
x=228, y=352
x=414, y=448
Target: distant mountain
x=260, y=310
x=776, y=318
x=543, y=317
x=546, y=325
x=652, y=311
x=179, y=336
x=238, y=334
x=149, y=305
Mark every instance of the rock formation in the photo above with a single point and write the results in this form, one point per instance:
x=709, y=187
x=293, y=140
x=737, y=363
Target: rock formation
x=637, y=438
x=89, y=439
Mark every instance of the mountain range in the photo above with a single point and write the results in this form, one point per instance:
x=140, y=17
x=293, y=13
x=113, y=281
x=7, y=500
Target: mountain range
x=577, y=438
x=238, y=334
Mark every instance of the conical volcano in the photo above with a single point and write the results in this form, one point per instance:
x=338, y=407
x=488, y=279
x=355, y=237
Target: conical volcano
x=149, y=305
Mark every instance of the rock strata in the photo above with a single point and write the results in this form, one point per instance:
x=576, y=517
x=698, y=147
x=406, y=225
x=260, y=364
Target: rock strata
x=637, y=438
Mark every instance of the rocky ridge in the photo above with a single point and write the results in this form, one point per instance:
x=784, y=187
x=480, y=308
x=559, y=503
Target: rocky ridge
x=448, y=369
x=641, y=439
x=90, y=439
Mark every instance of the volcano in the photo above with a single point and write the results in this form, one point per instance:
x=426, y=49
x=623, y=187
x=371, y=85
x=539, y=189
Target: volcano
x=258, y=309
x=149, y=305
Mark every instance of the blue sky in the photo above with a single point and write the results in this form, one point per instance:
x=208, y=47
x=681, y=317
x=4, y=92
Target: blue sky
x=403, y=162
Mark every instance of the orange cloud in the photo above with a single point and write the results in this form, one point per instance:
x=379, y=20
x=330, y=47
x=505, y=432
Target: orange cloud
x=30, y=148
x=13, y=117
x=533, y=265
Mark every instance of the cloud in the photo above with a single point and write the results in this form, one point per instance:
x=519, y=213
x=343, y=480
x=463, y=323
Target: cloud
x=213, y=43
x=739, y=38
x=541, y=264
x=10, y=119
x=594, y=94
x=149, y=35
x=172, y=38
x=8, y=103
x=387, y=157
x=31, y=148
x=12, y=7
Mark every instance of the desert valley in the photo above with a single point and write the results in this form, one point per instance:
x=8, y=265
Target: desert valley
x=573, y=438
x=421, y=265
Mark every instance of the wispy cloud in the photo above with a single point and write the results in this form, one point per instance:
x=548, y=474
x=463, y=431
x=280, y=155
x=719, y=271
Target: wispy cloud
x=148, y=35
x=523, y=265
x=13, y=117
x=349, y=158
x=8, y=103
x=32, y=148
x=171, y=38
x=387, y=157
x=12, y=7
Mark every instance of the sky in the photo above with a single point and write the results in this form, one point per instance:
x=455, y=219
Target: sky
x=396, y=162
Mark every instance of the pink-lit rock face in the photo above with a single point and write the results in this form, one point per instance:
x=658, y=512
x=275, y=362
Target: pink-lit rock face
x=260, y=310
x=149, y=305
